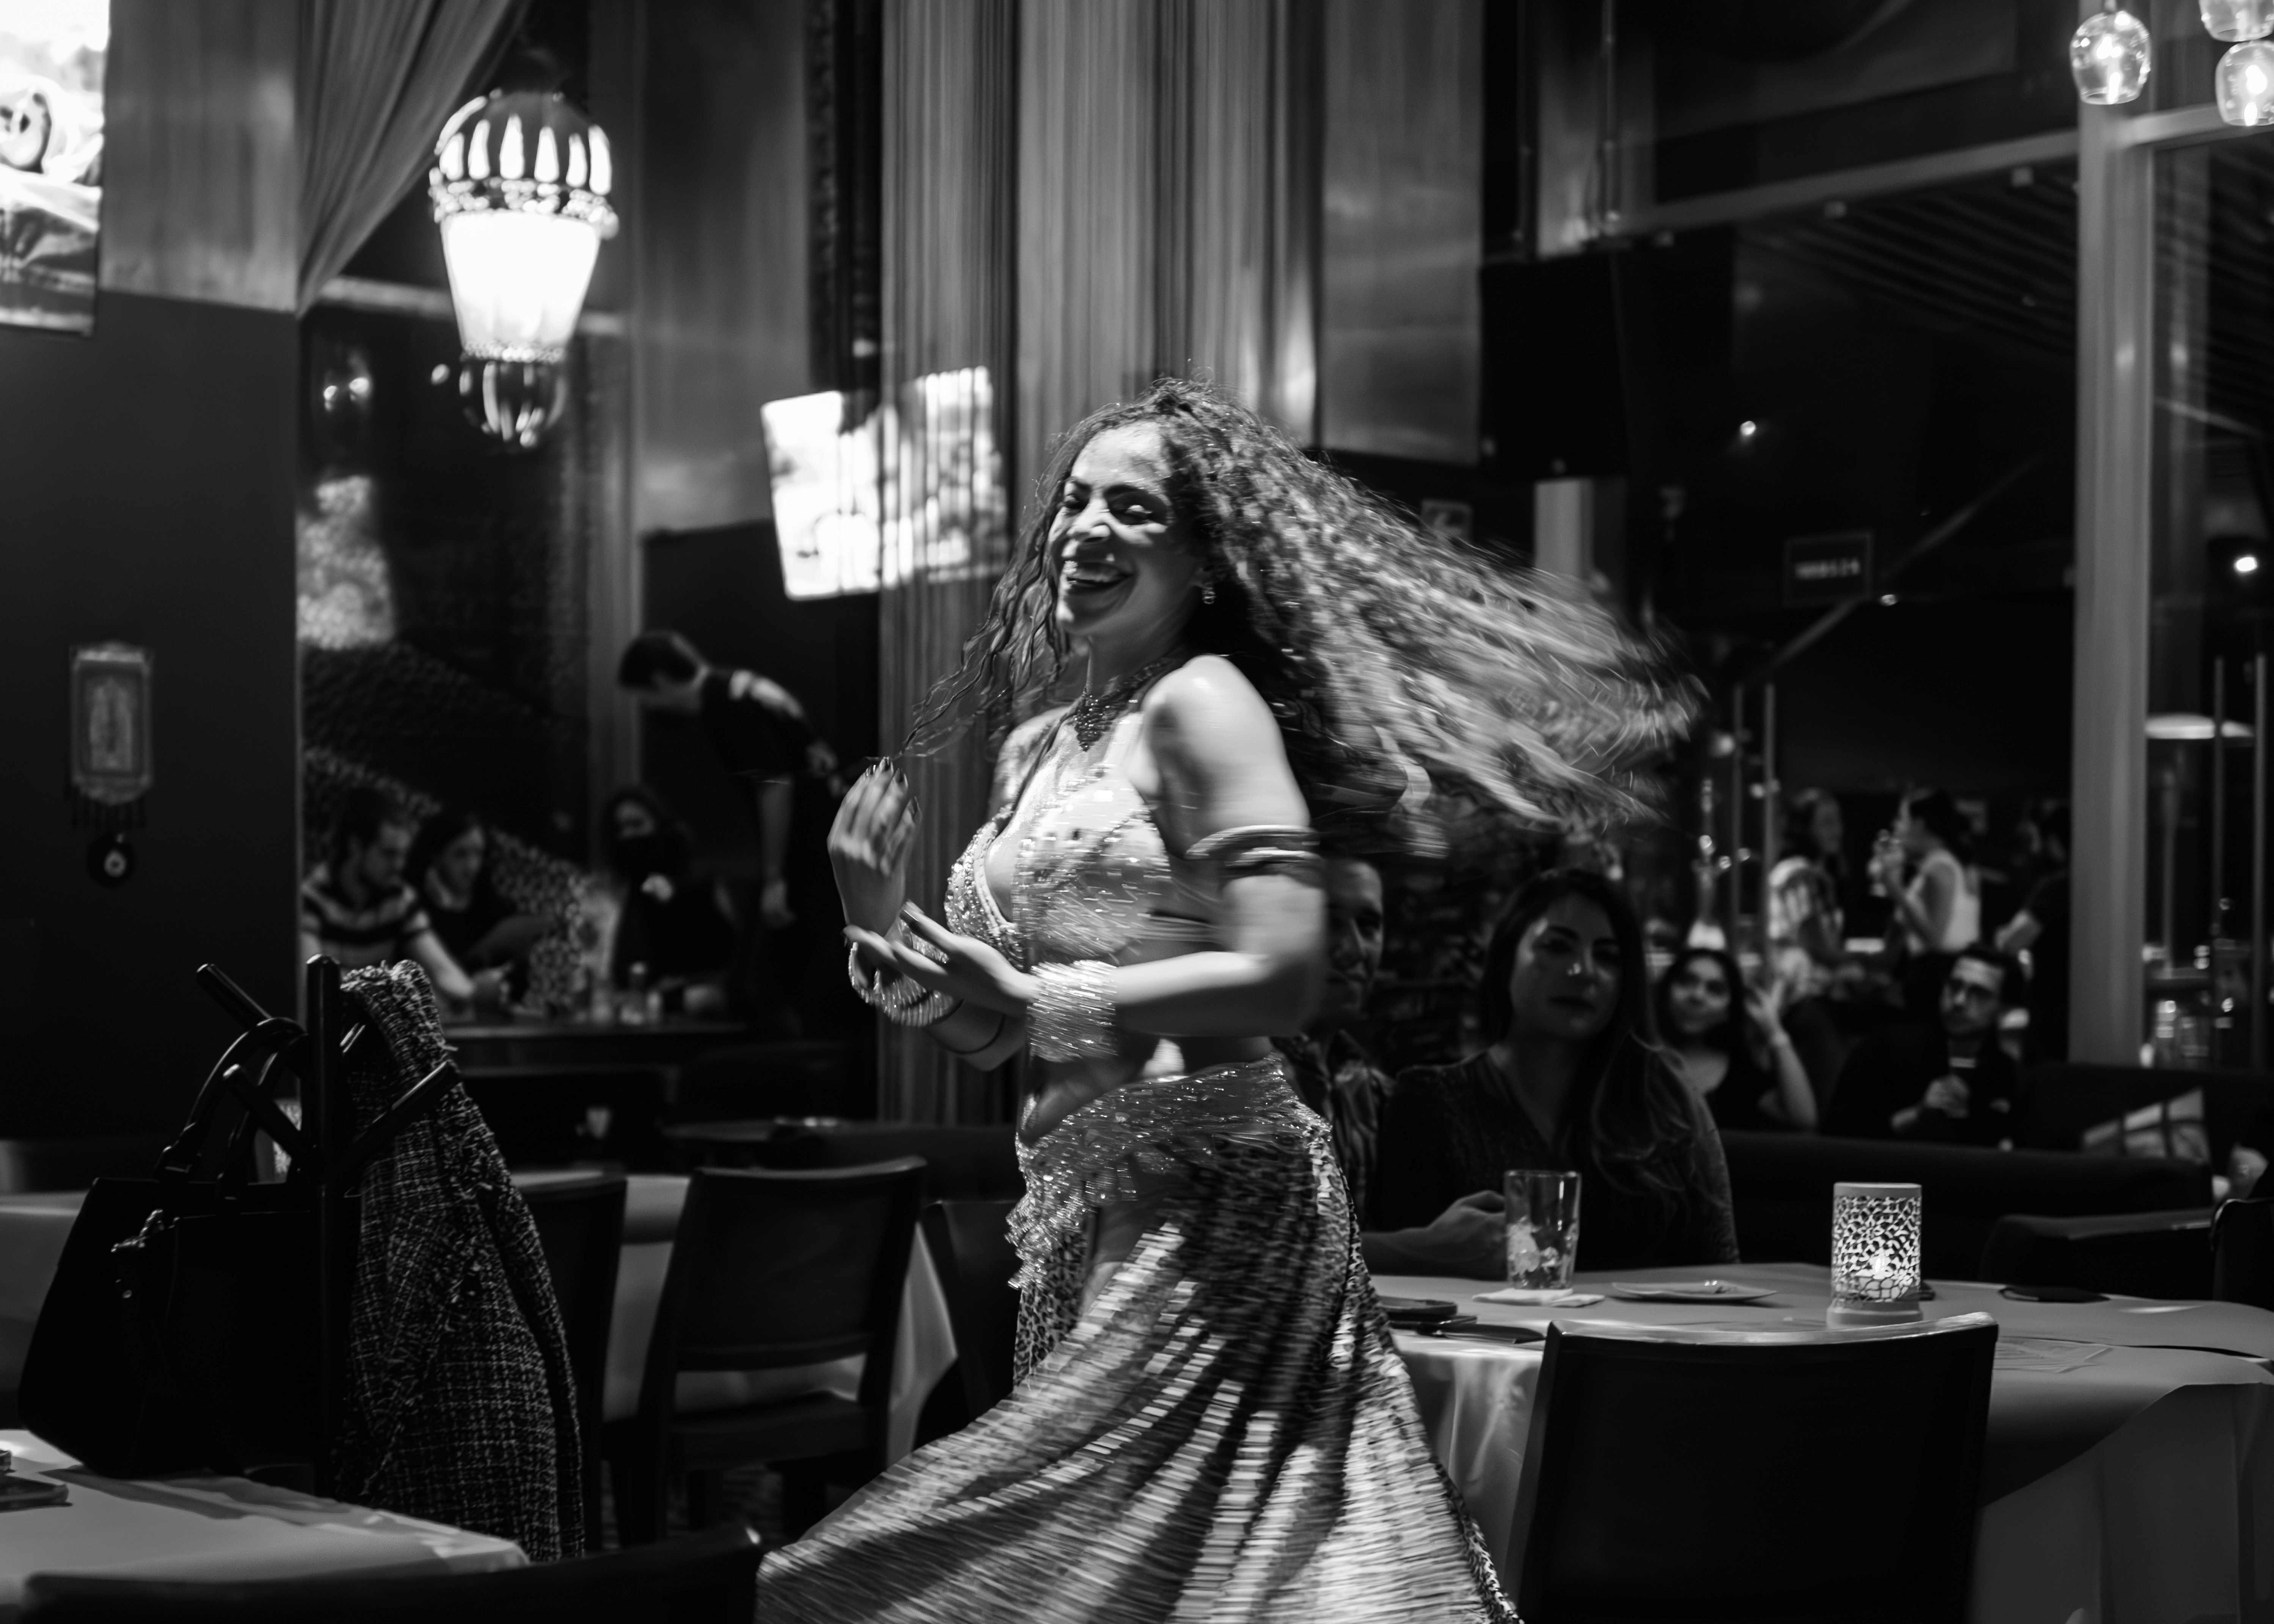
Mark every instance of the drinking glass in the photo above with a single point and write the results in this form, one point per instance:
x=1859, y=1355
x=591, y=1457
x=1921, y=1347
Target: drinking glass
x=1543, y=1230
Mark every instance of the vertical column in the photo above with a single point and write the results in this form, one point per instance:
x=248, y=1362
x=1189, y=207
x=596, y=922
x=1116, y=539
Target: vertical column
x=2109, y=765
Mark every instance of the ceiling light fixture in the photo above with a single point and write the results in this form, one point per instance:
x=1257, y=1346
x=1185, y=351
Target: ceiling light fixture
x=520, y=187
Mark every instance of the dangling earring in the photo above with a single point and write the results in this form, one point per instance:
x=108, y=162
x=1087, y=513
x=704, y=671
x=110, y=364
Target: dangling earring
x=1207, y=591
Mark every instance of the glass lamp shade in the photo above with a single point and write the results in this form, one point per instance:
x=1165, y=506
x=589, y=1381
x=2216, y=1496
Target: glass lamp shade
x=1875, y=1254
x=517, y=281
x=520, y=187
x=2111, y=55
x=2246, y=84
x=2235, y=21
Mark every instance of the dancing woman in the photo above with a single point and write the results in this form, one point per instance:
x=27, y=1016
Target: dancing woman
x=1211, y=1421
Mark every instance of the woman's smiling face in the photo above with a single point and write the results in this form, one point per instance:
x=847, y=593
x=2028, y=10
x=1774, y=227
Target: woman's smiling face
x=1124, y=564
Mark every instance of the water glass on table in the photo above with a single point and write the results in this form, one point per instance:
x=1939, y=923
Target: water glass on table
x=1543, y=1232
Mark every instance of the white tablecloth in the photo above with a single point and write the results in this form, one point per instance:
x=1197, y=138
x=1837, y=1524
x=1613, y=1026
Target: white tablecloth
x=214, y=1528
x=2130, y=1487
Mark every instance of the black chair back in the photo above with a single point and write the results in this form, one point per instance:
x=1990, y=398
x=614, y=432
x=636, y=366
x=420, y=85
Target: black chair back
x=1681, y=1477
x=580, y=1223
x=706, y=1578
x=2242, y=1252
x=971, y=1246
x=781, y=1268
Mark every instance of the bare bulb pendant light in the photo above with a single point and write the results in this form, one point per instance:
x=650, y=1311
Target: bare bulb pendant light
x=2110, y=56
x=2246, y=84
x=2237, y=20
x=520, y=187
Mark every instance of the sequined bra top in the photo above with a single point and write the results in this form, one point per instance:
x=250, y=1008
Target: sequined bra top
x=1091, y=873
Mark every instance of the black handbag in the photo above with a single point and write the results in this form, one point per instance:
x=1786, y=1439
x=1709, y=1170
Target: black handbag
x=2242, y=1252
x=181, y=1332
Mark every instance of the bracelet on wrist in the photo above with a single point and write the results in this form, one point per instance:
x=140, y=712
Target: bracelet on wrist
x=905, y=1002
x=1072, y=1016
x=993, y=1037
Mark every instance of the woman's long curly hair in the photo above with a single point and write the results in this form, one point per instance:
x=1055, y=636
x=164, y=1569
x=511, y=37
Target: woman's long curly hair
x=1395, y=659
x=1630, y=1113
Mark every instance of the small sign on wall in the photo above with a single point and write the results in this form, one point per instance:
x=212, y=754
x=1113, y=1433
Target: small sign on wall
x=110, y=722
x=1827, y=569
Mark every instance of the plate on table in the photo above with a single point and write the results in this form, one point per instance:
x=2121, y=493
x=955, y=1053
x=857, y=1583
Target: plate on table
x=1421, y=1313
x=1690, y=1291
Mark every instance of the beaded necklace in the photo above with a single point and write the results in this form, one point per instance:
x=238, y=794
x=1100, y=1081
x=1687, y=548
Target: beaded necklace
x=1094, y=711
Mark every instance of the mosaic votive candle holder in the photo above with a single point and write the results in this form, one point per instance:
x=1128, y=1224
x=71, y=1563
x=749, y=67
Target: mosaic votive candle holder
x=1875, y=1255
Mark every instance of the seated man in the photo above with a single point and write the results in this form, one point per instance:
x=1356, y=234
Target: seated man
x=1333, y=1072
x=357, y=907
x=1950, y=1081
x=1346, y=1085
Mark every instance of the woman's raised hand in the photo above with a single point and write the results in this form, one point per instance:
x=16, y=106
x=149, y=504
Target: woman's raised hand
x=960, y=967
x=869, y=848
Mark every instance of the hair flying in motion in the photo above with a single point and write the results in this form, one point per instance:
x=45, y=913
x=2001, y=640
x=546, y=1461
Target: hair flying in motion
x=1395, y=658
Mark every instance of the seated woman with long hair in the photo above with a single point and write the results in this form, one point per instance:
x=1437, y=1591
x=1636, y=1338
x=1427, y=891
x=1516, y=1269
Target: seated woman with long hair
x=1575, y=1079
x=1716, y=1028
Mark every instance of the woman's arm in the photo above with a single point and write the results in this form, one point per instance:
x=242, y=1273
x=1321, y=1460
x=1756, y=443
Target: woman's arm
x=449, y=981
x=1928, y=916
x=1794, y=1097
x=1216, y=761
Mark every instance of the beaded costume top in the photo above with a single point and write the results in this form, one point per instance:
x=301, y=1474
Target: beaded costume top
x=1093, y=876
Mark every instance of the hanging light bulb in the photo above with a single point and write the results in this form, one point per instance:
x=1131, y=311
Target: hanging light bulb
x=520, y=186
x=2235, y=21
x=2246, y=84
x=2111, y=55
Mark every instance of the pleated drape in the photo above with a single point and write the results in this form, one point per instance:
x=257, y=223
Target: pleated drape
x=378, y=78
x=950, y=111
x=1080, y=195
x=1169, y=197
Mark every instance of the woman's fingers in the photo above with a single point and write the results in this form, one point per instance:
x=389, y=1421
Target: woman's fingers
x=923, y=925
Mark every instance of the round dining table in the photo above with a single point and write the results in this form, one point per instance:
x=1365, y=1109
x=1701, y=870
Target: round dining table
x=2126, y=1471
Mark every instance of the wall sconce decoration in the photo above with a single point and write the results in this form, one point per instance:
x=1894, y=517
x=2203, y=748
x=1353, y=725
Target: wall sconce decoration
x=1875, y=1255
x=2110, y=56
x=111, y=755
x=520, y=187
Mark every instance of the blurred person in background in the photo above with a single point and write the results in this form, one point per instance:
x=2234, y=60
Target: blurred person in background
x=1334, y=1073
x=2039, y=933
x=1715, y=1029
x=449, y=868
x=1948, y=1080
x=1939, y=910
x=1575, y=1079
x=675, y=932
x=765, y=743
x=1808, y=927
x=357, y=908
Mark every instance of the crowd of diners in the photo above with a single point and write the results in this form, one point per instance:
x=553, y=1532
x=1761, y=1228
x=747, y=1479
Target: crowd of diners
x=1589, y=1063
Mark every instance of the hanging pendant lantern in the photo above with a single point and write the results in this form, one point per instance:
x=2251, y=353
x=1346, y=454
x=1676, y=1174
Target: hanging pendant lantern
x=520, y=186
x=2246, y=84
x=2110, y=56
x=2236, y=20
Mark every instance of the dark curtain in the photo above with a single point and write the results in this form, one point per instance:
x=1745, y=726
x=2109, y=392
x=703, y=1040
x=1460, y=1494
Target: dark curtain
x=377, y=79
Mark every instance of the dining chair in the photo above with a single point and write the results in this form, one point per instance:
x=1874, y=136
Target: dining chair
x=580, y=1224
x=1787, y=1473
x=705, y=1578
x=970, y=1244
x=771, y=1270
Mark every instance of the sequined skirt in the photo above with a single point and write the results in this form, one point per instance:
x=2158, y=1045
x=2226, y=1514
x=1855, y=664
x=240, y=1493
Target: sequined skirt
x=1225, y=1432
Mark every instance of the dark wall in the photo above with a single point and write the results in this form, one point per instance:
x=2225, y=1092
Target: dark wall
x=148, y=473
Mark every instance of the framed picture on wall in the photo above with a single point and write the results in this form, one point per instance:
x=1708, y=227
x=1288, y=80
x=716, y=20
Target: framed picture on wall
x=110, y=722
x=52, y=54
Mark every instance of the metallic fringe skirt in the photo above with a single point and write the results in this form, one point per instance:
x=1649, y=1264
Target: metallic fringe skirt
x=1226, y=1432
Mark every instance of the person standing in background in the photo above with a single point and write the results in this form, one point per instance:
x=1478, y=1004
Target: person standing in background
x=2040, y=930
x=1939, y=911
x=763, y=740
